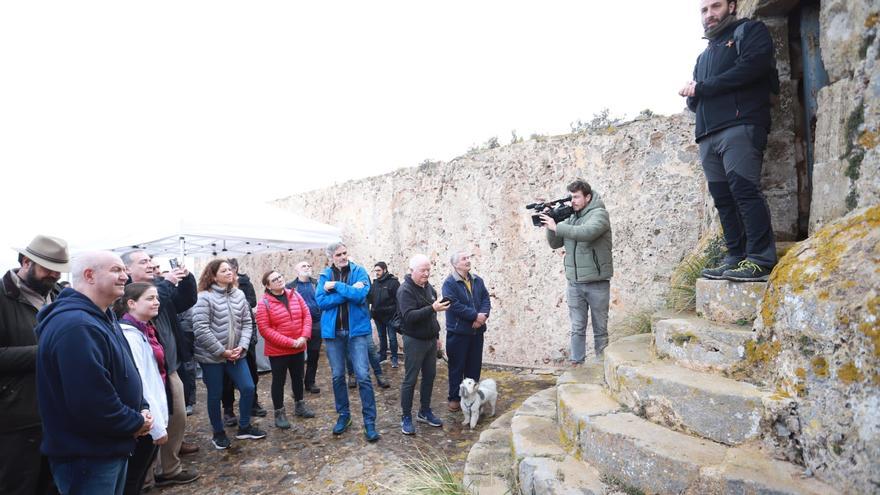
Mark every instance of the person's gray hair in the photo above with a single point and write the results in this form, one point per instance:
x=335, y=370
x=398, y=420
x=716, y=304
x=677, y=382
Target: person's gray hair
x=82, y=262
x=331, y=249
x=417, y=260
x=126, y=256
x=456, y=255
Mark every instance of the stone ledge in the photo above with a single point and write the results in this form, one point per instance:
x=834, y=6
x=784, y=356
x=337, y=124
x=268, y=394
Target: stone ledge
x=578, y=403
x=699, y=344
x=723, y=301
x=534, y=436
x=542, y=404
x=569, y=476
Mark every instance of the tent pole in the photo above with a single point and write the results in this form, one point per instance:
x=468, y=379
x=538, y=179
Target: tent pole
x=182, y=245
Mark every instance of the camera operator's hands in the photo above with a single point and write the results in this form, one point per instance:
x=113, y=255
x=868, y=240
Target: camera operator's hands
x=440, y=306
x=548, y=222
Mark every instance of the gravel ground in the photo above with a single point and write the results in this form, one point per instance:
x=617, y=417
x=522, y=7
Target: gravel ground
x=308, y=459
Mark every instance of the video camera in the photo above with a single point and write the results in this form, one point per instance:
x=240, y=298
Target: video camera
x=558, y=210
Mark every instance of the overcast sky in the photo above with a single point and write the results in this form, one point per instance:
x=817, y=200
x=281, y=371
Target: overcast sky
x=111, y=111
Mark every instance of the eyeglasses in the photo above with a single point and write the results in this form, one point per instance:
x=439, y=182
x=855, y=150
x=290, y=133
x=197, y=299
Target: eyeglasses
x=279, y=278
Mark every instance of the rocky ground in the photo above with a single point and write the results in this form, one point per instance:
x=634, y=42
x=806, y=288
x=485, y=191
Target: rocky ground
x=310, y=460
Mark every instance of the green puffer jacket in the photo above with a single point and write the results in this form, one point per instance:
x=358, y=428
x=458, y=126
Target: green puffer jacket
x=586, y=236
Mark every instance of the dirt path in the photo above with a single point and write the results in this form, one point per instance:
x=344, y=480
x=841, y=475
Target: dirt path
x=310, y=460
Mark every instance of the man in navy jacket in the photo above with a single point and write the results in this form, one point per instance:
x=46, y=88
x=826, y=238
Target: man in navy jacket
x=730, y=93
x=88, y=387
x=465, y=324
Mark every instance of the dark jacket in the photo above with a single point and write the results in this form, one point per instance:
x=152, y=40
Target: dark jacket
x=245, y=285
x=734, y=89
x=306, y=290
x=462, y=312
x=18, y=358
x=383, y=298
x=416, y=311
x=174, y=300
x=88, y=387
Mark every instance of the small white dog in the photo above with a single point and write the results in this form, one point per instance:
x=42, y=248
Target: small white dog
x=477, y=398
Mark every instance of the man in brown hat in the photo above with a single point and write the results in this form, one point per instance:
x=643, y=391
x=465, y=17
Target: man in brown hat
x=23, y=292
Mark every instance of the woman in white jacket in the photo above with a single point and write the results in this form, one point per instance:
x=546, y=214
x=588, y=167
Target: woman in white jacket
x=138, y=305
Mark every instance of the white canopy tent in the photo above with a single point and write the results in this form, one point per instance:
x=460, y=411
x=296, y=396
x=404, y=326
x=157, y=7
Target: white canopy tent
x=197, y=231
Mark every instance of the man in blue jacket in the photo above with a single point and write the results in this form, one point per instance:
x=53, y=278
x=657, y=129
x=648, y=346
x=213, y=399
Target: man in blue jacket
x=465, y=324
x=730, y=93
x=345, y=327
x=88, y=387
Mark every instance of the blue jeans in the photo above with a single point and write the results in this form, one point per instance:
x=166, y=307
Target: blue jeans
x=465, y=353
x=85, y=476
x=387, y=340
x=338, y=349
x=373, y=357
x=212, y=375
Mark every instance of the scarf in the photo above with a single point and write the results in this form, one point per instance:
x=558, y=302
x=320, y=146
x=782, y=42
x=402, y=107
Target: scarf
x=714, y=31
x=149, y=332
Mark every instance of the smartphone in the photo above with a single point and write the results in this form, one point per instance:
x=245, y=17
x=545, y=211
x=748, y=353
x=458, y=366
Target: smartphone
x=174, y=263
x=445, y=300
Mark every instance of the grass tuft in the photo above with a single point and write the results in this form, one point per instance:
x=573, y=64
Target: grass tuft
x=429, y=473
x=682, y=295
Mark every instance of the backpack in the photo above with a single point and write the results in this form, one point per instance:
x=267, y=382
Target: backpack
x=772, y=76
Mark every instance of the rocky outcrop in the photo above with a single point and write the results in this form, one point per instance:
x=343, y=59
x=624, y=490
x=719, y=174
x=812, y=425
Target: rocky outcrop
x=819, y=344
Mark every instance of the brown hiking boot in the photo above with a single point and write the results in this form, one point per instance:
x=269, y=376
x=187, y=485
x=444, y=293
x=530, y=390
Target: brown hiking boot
x=454, y=405
x=187, y=448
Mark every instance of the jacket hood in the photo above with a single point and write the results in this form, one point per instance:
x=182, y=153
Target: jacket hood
x=68, y=300
x=595, y=203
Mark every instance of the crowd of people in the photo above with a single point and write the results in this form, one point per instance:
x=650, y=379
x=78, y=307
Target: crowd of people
x=105, y=368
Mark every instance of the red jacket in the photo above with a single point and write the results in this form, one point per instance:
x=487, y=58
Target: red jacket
x=280, y=326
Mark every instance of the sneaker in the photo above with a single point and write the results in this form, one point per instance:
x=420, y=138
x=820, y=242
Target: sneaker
x=189, y=410
x=221, y=441
x=352, y=381
x=454, y=406
x=251, y=432
x=394, y=362
x=342, y=424
x=406, y=426
x=258, y=410
x=429, y=418
x=382, y=381
x=183, y=477
x=717, y=273
x=370, y=433
x=748, y=271
x=281, y=419
x=229, y=419
x=302, y=410
x=313, y=389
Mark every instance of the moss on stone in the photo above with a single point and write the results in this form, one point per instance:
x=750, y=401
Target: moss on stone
x=871, y=326
x=801, y=373
x=869, y=139
x=849, y=373
x=872, y=20
x=820, y=367
x=683, y=338
x=762, y=353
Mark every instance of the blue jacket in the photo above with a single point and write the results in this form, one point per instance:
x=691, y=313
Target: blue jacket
x=358, y=310
x=88, y=387
x=463, y=310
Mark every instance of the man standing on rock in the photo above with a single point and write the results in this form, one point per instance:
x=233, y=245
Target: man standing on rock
x=586, y=235
x=23, y=292
x=346, y=330
x=730, y=93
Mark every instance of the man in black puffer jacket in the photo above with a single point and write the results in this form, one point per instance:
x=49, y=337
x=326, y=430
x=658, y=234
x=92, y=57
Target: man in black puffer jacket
x=730, y=93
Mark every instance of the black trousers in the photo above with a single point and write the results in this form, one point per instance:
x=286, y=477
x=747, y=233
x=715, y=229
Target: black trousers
x=140, y=461
x=314, y=352
x=291, y=364
x=228, y=399
x=23, y=470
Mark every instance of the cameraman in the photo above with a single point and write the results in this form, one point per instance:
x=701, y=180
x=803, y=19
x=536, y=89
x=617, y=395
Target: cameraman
x=586, y=236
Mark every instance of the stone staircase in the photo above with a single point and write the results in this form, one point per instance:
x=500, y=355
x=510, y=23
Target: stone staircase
x=660, y=415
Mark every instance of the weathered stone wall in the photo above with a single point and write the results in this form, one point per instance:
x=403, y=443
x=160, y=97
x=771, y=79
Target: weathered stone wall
x=647, y=172
x=819, y=344
x=846, y=174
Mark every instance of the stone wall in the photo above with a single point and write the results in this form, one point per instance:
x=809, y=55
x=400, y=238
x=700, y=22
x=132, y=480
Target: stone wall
x=647, y=172
x=846, y=174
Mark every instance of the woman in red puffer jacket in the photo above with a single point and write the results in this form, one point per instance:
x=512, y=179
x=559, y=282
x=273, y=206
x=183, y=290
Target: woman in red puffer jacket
x=285, y=323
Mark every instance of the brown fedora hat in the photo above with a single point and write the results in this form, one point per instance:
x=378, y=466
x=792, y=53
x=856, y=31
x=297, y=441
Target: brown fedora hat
x=48, y=252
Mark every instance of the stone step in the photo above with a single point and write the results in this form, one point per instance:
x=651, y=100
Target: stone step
x=489, y=468
x=642, y=455
x=705, y=404
x=700, y=344
x=723, y=301
x=544, y=463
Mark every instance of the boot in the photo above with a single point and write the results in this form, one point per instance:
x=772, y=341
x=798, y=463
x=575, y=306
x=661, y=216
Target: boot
x=303, y=410
x=281, y=419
